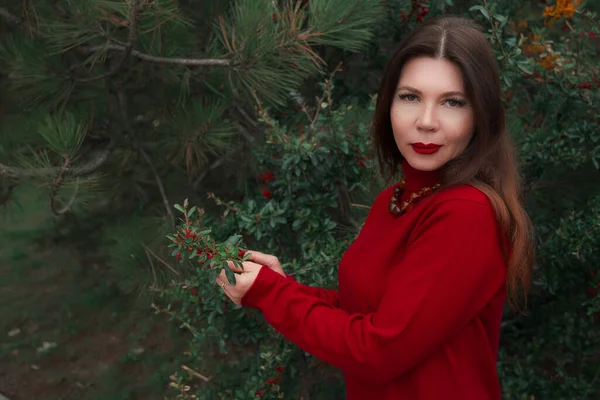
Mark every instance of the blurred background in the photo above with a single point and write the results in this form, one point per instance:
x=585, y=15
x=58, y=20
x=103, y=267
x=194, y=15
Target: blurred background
x=258, y=113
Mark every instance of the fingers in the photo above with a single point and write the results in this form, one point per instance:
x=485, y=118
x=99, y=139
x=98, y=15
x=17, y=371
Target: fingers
x=248, y=266
x=233, y=267
x=262, y=258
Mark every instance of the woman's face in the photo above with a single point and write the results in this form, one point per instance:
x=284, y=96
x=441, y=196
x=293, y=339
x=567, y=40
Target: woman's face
x=432, y=118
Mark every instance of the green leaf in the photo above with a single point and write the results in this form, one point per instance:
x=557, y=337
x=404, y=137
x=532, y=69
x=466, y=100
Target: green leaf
x=500, y=18
x=481, y=9
x=234, y=240
x=525, y=67
x=180, y=208
x=230, y=275
x=191, y=211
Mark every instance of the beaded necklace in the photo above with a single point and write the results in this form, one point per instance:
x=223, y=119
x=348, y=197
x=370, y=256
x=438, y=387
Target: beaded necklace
x=398, y=208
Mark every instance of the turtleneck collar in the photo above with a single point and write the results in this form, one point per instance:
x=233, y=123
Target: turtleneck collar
x=417, y=179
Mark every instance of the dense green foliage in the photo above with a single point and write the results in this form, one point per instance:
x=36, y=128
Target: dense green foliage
x=118, y=110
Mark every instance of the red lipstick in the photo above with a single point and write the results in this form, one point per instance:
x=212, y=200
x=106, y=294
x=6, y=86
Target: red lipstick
x=423, y=148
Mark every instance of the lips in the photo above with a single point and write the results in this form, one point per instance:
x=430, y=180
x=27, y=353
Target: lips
x=423, y=148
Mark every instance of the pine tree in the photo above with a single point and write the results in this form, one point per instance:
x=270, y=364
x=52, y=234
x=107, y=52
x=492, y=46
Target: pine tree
x=143, y=90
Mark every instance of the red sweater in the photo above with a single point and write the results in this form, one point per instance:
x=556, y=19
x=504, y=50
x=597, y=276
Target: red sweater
x=417, y=315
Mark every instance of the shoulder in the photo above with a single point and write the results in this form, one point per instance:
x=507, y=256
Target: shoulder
x=462, y=205
x=464, y=194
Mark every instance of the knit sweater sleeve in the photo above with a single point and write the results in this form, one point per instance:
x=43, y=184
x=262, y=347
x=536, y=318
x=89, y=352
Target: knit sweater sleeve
x=328, y=295
x=452, y=268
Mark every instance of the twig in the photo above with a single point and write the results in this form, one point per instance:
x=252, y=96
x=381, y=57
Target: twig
x=57, y=182
x=132, y=19
x=188, y=326
x=91, y=166
x=160, y=259
x=218, y=162
x=68, y=206
x=195, y=373
x=161, y=188
x=359, y=205
x=495, y=32
x=11, y=19
x=151, y=266
x=220, y=202
x=161, y=60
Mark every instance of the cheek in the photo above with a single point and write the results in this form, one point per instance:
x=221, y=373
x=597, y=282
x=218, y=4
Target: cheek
x=400, y=122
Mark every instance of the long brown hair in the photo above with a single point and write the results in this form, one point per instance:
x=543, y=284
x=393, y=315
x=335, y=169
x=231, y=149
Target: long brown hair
x=489, y=162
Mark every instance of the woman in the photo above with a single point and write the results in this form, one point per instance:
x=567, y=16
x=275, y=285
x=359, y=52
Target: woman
x=422, y=288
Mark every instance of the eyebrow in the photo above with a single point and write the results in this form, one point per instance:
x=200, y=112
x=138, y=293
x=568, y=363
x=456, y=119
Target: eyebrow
x=417, y=91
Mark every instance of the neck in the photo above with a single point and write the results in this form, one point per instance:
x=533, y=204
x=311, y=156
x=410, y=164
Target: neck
x=417, y=179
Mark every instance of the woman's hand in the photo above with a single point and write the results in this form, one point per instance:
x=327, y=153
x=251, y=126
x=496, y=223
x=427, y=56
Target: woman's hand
x=267, y=260
x=246, y=277
x=243, y=280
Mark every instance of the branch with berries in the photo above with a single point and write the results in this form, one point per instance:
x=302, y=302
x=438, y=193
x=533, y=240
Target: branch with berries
x=190, y=242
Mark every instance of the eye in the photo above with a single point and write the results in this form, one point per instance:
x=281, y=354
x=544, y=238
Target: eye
x=456, y=103
x=408, y=97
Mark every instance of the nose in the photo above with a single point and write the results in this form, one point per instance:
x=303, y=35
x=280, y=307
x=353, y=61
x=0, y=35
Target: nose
x=427, y=120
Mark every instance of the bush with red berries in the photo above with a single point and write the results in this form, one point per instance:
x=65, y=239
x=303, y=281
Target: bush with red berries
x=313, y=183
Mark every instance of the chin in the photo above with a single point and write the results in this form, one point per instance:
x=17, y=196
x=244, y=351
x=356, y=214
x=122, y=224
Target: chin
x=425, y=163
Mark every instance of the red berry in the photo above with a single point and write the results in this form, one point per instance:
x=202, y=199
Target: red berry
x=279, y=369
x=267, y=194
x=179, y=256
x=241, y=253
x=209, y=256
x=202, y=262
x=267, y=176
x=198, y=252
x=257, y=393
x=194, y=292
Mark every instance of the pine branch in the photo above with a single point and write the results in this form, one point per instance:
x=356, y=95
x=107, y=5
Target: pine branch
x=133, y=18
x=89, y=167
x=194, y=62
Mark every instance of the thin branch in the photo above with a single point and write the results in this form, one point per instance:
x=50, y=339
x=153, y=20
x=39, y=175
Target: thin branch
x=195, y=373
x=11, y=19
x=218, y=162
x=220, y=202
x=161, y=188
x=185, y=324
x=152, y=266
x=359, y=205
x=92, y=165
x=57, y=182
x=161, y=60
x=132, y=22
x=160, y=259
x=68, y=206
